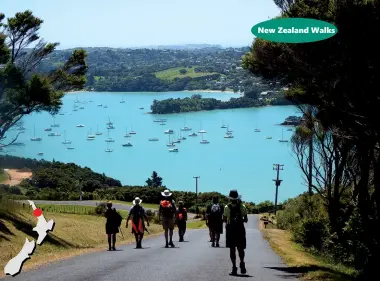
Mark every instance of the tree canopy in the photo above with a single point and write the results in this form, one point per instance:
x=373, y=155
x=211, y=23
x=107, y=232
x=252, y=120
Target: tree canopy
x=22, y=89
x=338, y=77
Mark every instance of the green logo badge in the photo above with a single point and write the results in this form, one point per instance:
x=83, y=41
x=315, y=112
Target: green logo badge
x=294, y=30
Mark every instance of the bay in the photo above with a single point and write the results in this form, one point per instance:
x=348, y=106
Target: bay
x=244, y=162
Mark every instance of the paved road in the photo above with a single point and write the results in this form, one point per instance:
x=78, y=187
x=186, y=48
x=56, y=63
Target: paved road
x=192, y=260
x=118, y=206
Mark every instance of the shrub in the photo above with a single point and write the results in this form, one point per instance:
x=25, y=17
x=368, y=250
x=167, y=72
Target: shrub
x=100, y=209
x=311, y=233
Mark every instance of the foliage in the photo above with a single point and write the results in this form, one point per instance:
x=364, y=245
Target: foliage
x=197, y=104
x=154, y=180
x=22, y=89
x=337, y=77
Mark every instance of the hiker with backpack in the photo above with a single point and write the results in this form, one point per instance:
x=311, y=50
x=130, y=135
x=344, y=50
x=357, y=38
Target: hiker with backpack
x=214, y=220
x=166, y=212
x=113, y=223
x=235, y=215
x=138, y=214
x=181, y=218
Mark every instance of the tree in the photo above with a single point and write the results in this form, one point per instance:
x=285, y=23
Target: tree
x=183, y=71
x=154, y=180
x=22, y=89
x=337, y=76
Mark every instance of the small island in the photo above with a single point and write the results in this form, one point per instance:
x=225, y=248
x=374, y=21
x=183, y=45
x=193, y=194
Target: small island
x=197, y=103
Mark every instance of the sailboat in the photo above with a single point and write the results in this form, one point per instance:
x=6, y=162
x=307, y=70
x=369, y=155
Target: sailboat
x=126, y=133
x=127, y=144
x=228, y=134
x=77, y=100
x=34, y=138
x=173, y=150
x=202, y=131
x=153, y=139
x=204, y=141
x=109, y=139
x=109, y=121
x=90, y=136
x=282, y=138
x=54, y=125
x=181, y=137
x=228, y=130
x=193, y=134
x=257, y=130
x=66, y=141
x=185, y=128
x=170, y=144
x=268, y=138
x=132, y=132
x=175, y=140
x=97, y=131
x=223, y=125
x=108, y=149
x=122, y=99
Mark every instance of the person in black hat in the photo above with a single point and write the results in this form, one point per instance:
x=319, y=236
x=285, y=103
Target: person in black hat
x=235, y=215
x=112, y=225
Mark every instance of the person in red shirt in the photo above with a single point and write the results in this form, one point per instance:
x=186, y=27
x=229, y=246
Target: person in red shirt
x=181, y=218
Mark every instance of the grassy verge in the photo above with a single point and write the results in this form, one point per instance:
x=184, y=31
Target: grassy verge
x=309, y=266
x=171, y=73
x=3, y=176
x=73, y=209
x=74, y=234
x=145, y=205
x=196, y=224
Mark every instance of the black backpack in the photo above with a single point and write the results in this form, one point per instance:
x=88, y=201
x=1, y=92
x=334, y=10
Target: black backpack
x=118, y=218
x=215, y=211
x=235, y=214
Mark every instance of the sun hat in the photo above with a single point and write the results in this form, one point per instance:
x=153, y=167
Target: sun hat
x=234, y=195
x=166, y=193
x=136, y=201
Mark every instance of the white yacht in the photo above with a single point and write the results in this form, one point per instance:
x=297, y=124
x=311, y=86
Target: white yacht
x=223, y=125
x=97, y=131
x=48, y=130
x=54, y=134
x=127, y=135
x=153, y=139
x=282, y=138
x=173, y=150
x=40, y=153
x=54, y=125
x=204, y=141
x=193, y=134
x=268, y=138
x=169, y=132
x=90, y=136
x=109, y=139
x=34, y=138
x=80, y=125
x=185, y=128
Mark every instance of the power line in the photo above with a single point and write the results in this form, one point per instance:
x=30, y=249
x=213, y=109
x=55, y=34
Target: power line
x=196, y=194
x=277, y=181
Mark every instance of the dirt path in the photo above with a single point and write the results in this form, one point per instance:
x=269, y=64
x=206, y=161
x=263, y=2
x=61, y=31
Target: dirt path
x=15, y=176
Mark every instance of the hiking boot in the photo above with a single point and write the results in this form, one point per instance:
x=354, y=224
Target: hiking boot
x=171, y=244
x=243, y=270
x=167, y=245
x=109, y=249
x=217, y=244
x=213, y=244
x=234, y=270
x=113, y=249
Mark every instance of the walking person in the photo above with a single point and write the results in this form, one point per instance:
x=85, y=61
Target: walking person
x=235, y=215
x=138, y=214
x=113, y=223
x=215, y=221
x=167, y=212
x=181, y=219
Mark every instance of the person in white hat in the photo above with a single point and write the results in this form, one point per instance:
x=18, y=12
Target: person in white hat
x=167, y=212
x=138, y=214
x=235, y=215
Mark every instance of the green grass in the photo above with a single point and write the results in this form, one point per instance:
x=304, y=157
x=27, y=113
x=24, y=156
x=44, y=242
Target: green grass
x=97, y=78
x=3, y=176
x=145, y=205
x=171, y=73
x=73, y=209
x=73, y=234
x=196, y=224
x=311, y=267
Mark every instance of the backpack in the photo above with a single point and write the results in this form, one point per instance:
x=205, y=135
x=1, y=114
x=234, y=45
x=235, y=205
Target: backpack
x=167, y=208
x=215, y=211
x=118, y=218
x=181, y=214
x=235, y=214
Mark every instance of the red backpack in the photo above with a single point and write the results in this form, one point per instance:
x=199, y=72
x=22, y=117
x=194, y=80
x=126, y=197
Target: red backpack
x=167, y=209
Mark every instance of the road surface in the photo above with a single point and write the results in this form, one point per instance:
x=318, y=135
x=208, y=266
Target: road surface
x=194, y=259
x=118, y=206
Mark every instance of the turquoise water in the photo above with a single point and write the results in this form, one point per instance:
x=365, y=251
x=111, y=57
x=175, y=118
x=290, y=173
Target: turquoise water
x=243, y=163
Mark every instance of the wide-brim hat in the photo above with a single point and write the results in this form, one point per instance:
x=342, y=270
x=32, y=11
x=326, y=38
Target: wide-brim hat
x=234, y=195
x=166, y=193
x=136, y=201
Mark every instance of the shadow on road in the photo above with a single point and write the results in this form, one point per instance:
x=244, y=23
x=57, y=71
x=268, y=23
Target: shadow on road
x=296, y=271
x=241, y=275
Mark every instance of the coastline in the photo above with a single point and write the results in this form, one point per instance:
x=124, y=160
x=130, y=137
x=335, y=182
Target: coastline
x=190, y=91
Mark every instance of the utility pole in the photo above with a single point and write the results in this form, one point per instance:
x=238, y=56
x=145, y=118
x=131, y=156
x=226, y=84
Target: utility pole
x=277, y=181
x=196, y=193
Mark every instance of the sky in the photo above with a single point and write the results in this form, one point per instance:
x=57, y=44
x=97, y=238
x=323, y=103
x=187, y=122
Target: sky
x=138, y=23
